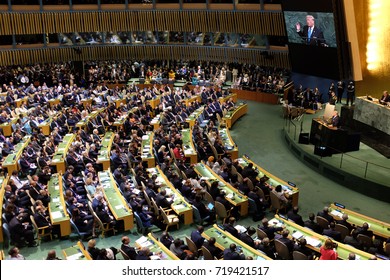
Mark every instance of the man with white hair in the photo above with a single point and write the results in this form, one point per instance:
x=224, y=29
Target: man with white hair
x=310, y=34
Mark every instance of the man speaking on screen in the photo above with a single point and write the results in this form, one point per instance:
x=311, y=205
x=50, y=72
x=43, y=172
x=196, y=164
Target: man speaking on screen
x=311, y=34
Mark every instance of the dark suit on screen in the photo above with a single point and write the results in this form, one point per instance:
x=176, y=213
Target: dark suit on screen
x=316, y=38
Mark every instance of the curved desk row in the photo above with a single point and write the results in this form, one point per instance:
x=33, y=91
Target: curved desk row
x=62, y=150
x=76, y=252
x=7, y=126
x=179, y=205
x=147, y=149
x=158, y=249
x=224, y=239
x=194, y=116
x=379, y=228
x=84, y=122
x=188, y=146
x=233, y=115
x=57, y=207
x=231, y=194
x=315, y=240
x=11, y=162
x=105, y=151
x=230, y=147
x=116, y=202
x=273, y=180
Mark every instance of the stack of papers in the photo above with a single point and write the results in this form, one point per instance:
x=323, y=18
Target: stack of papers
x=313, y=241
x=336, y=213
x=297, y=235
x=179, y=206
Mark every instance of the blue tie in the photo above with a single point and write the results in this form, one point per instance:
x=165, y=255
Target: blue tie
x=309, y=34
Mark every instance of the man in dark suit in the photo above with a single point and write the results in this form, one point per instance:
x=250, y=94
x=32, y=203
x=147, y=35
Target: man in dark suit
x=197, y=238
x=232, y=254
x=311, y=34
x=229, y=227
x=126, y=248
x=246, y=237
x=332, y=233
x=294, y=216
x=214, y=250
x=312, y=224
x=288, y=242
x=162, y=201
x=344, y=222
x=335, y=119
x=269, y=230
x=325, y=214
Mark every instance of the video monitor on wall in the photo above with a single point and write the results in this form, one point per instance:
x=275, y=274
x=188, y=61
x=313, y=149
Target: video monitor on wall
x=312, y=39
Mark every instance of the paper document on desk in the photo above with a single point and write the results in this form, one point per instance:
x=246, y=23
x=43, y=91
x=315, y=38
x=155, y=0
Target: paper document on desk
x=274, y=223
x=313, y=241
x=297, y=235
x=240, y=228
x=55, y=199
x=74, y=257
x=145, y=137
x=336, y=213
x=56, y=214
x=118, y=207
x=179, y=206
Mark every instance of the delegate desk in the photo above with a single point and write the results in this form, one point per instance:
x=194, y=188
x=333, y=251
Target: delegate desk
x=82, y=123
x=105, y=151
x=11, y=162
x=194, y=116
x=230, y=147
x=87, y=102
x=191, y=99
x=155, y=101
x=315, y=240
x=45, y=125
x=76, y=252
x=233, y=115
x=7, y=126
x=188, y=146
x=156, y=121
x=115, y=200
x=273, y=180
x=54, y=102
x=147, y=149
x=231, y=194
x=337, y=140
x=121, y=120
x=3, y=183
x=224, y=239
x=379, y=228
x=179, y=205
x=20, y=101
x=227, y=97
x=158, y=249
x=372, y=113
x=57, y=206
x=62, y=150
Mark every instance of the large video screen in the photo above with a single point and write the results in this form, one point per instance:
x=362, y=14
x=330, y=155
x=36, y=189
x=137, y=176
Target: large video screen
x=312, y=38
x=311, y=28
